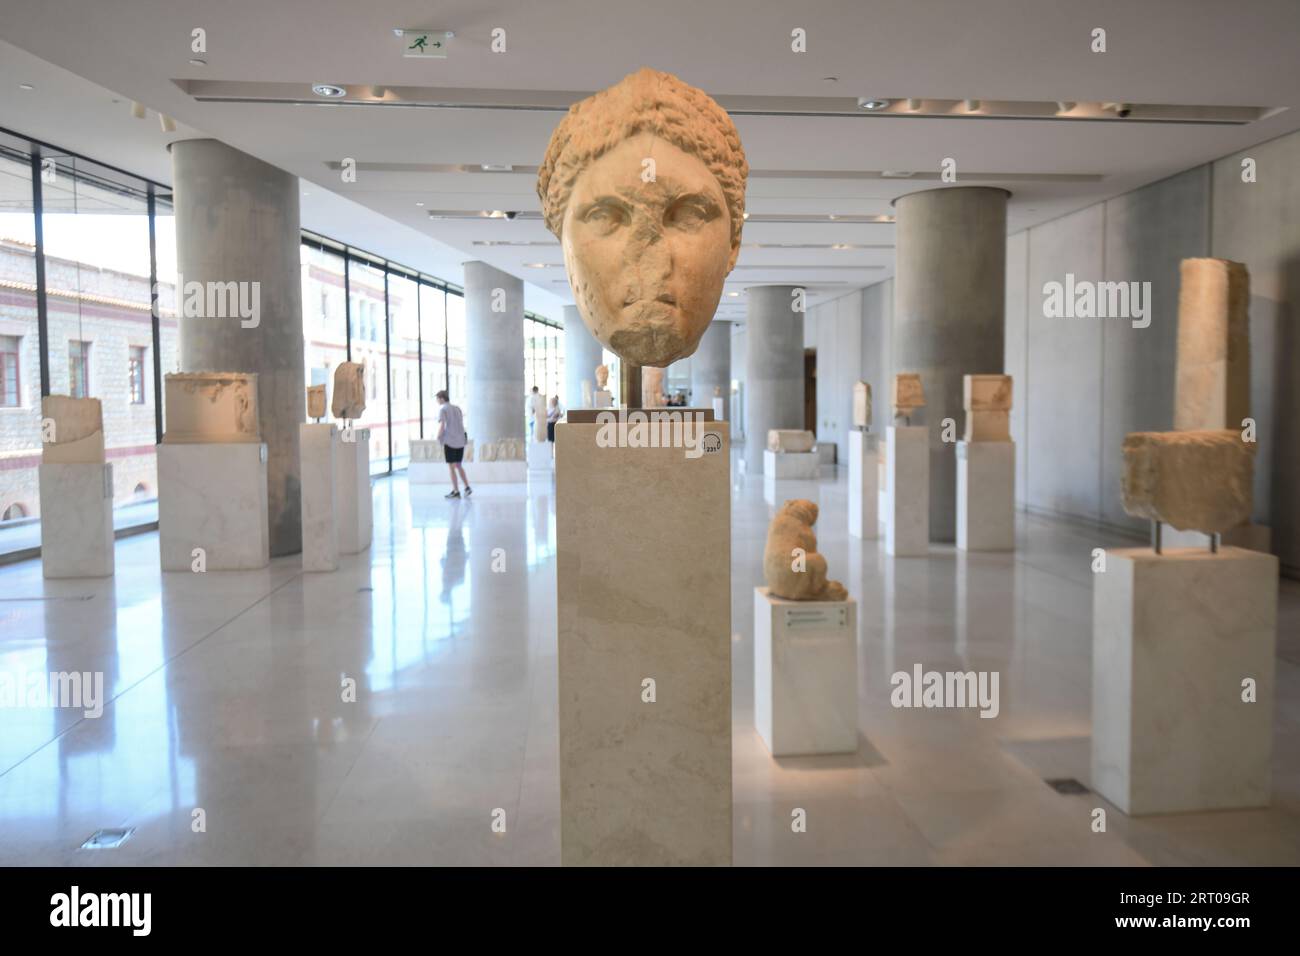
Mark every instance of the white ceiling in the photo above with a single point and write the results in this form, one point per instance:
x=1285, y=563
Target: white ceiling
x=1177, y=52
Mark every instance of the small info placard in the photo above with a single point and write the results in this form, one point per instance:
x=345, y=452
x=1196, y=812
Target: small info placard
x=817, y=617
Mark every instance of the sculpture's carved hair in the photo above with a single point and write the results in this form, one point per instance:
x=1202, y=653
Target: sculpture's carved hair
x=806, y=511
x=652, y=102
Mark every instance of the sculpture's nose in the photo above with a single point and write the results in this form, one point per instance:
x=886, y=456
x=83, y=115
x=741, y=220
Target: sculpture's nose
x=654, y=264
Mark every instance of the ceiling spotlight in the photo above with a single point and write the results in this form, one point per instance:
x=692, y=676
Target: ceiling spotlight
x=534, y=265
x=378, y=92
x=419, y=204
x=496, y=167
x=167, y=123
x=1122, y=110
x=1064, y=106
x=137, y=109
x=830, y=79
x=840, y=245
x=195, y=61
x=744, y=215
x=328, y=90
x=913, y=104
x=26, y=86
x=734, y=295
x=971, y=105
x=871, y=103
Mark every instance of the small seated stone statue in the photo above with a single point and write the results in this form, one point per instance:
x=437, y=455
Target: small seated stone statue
x=791, y=563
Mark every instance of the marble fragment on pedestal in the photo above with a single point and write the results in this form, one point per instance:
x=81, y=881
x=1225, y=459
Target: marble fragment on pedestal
x=805, y=675
x=1176, y=638
x=211, y=408
x=909, y=393
x=645, y=302
x=907, y=491
x=316, y=401
x=72, y=430
x=77, y=518
x=318, y=447
x=355, y=495
x=644, y=645
x=1212, y=381
x=987, y=401
x=1194, y=480
x=790, y=440
x=986, y=496
x=864, y=495
x=792, y=565
x=213, y=496
x=862, y=405
x=349, y=391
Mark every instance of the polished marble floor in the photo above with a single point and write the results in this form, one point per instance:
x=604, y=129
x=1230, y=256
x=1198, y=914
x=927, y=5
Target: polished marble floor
x=227, y=696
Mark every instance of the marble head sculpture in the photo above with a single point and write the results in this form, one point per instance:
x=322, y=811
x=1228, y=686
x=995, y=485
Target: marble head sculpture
x=792, y=565
x=644, y=185
x=602, y=376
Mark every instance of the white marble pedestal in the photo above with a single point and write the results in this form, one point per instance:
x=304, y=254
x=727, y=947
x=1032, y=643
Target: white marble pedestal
x=352, y=485
x=719, y=408
x=805, y=675
x=602, y=398
x=864, y=499
x=539, y=456
x=76, y=519
x=986, y=496
x=318, y=484
x=1174, y=636
x=643, y=568
x=213, y=496
x=907, y=510
x=785, y=465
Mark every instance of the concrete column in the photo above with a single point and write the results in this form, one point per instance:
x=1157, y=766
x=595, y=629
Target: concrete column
x=711, y=364
x=581, y=356
x=774, y=368
x=237, y=222
x=949, y=291
x=494, y=353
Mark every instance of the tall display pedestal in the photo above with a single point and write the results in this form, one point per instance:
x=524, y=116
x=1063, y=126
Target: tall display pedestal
x=907, y=511
x=602, y=398
x=986, y=496
x=719, y=408
x=77, y=520
x=352, y=485
x=643, y=544
x=540, y=458
x=317, y=450
x=1174, y=637
x=805, y=675
x=785, y=465
x=213, y=496
x=864, y=501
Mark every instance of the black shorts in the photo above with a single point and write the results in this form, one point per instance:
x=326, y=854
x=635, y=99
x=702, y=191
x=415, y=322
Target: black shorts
x=454, y=455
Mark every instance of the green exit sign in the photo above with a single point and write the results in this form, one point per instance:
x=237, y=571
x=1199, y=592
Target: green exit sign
x=426, y=44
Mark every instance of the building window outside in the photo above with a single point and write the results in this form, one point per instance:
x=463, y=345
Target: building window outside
x=11, y=394
x=78, y=369
x=136, y=371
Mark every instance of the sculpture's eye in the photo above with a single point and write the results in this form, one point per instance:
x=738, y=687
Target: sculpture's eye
x=605, y=216
x=690, y=212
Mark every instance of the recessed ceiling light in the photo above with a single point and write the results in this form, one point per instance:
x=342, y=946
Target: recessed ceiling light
x=972, y=105
x=830, y=79
x=195, y=61
x=841, y=245
x=733, y=294
x=419, y=204
x=496, y=167
x=328, y=90
x=26, y=86
x=871, y=103
x=913, y=104
x=534, y=265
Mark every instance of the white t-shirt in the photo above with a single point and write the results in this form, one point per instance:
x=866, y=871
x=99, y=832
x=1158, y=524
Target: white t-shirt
x=453, y=432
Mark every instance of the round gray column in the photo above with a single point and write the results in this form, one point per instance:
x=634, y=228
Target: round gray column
x=581, y=356
x=494, y=354
x=773, y=368
x=237, y=222
x=711, y=364
x=949, y=313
